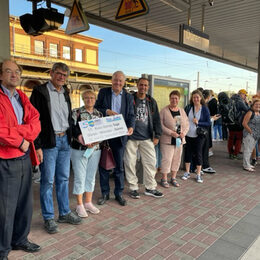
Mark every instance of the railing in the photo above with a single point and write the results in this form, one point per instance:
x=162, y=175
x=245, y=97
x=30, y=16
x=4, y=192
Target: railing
x=24, y=51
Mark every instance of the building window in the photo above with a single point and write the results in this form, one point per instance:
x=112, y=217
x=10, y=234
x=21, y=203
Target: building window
x=78, y=55
x=91, y=56
x=22, y=43
x=66, y=52
x=38, y=47
x=53, y=50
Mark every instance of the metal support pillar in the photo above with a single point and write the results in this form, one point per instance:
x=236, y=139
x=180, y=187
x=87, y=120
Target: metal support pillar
x=4, y=30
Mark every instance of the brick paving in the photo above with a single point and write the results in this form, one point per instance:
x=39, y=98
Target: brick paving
x=182, y=225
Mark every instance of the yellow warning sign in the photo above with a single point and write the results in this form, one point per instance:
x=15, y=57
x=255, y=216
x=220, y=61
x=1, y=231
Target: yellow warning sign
x=78, y=21
x=130, y=9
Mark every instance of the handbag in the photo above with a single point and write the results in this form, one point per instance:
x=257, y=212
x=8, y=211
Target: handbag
x=200, y=131
x=107, y=160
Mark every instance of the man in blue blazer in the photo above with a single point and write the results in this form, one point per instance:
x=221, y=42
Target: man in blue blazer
x=113, y=101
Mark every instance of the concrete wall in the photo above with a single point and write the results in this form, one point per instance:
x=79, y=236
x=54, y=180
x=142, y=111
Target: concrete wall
x=4, y=30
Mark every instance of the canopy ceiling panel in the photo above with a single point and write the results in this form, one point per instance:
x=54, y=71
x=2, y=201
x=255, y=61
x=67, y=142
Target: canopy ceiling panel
x=233, y=26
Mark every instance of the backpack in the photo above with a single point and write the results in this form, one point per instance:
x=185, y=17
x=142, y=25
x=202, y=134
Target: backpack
x=227, y=109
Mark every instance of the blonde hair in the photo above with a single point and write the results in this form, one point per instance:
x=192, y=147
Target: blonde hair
x=88, y=91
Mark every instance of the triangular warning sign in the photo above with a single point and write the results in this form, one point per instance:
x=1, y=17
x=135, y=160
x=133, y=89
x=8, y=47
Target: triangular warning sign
x=131, y=8
x=78, y=21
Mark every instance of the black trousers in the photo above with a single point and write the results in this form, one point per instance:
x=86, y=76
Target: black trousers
x=205, y=150
x=118, y=153
x=15, y=202
x=210, y=137
x=193, y=149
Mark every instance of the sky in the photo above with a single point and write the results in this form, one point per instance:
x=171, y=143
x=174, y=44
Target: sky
x=135, y=57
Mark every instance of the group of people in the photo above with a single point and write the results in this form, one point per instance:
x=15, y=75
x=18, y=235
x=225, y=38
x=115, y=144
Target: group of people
x=243, y=126
x=45, y=130
x=248, y=130
x=240, y=125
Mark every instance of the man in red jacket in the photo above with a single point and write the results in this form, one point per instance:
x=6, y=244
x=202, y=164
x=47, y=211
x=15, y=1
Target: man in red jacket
x=19, y=126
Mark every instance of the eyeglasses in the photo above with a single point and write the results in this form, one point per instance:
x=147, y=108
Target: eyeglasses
x=16, y=72
x=61, y=74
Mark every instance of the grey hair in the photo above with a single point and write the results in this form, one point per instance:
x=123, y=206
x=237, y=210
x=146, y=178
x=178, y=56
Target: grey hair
x=62, y=66
x=119, y=72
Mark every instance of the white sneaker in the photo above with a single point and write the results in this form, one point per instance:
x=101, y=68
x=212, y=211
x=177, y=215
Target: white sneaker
x=185, y=176
x=210, y=153
x=81, y=211
x=91, y=208
x=199, y=179
x=209, y=170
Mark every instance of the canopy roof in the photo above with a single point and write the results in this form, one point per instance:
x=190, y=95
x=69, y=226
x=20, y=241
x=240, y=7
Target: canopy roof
x=233, y=26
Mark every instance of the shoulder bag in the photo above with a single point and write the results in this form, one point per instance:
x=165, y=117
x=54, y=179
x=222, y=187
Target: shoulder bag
x=200, y=131
x=107, y=160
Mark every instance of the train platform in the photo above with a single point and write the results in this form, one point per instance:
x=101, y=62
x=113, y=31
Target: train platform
x=216, y=220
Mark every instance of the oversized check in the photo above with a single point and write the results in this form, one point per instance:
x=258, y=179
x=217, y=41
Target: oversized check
x=103, y=128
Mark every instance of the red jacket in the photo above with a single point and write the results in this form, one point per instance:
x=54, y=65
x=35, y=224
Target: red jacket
x=12, y=134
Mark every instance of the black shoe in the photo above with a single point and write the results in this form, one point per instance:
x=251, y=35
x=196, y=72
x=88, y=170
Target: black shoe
x=50, y=226
x=70, y=218
x=103, y=199
x=120, y=200
x=27, y=247
x=3, y=257
x=153, y=193
x=254, y=162
x=134, y=194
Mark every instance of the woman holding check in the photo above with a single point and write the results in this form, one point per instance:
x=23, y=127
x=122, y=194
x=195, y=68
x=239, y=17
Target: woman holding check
x=84, y=157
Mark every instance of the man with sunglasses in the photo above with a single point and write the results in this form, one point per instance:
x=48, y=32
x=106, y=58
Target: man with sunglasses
x=19, y=126
x=53, y=146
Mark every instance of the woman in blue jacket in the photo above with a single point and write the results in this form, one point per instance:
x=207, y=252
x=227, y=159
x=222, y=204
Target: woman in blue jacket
x=199, y=120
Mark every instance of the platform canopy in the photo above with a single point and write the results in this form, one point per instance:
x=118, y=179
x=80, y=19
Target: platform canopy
x=233, y=26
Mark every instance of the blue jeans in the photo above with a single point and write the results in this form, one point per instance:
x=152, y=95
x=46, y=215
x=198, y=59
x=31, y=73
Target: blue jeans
x=118, y=153
x=55, y=166
x=85, y=170
x=218, y=132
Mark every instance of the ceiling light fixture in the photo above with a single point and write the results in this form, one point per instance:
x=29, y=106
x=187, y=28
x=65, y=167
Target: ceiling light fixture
x=41, y=20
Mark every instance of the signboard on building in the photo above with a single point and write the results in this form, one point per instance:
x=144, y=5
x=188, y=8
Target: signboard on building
x=161, y=87
x=194, y=38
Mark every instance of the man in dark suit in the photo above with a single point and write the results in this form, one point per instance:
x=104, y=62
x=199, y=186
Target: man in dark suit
x=113, y=101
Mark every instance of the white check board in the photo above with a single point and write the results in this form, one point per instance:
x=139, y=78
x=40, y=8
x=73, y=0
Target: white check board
x=103, y=128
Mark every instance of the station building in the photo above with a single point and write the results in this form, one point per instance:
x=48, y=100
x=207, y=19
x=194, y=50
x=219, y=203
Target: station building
x=36, y=54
